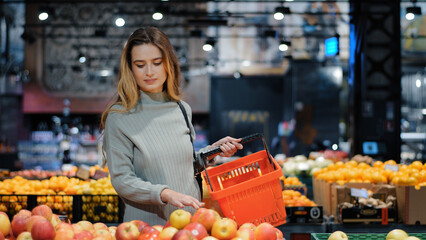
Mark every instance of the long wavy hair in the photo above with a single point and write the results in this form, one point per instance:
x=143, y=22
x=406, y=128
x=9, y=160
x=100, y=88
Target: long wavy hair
x=127, y=88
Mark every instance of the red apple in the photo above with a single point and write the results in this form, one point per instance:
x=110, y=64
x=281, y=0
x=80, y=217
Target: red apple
x=167, y=233
x=2, y=236
x=183, y=234
x=64, y=234
x=280, y=234
x=265, y=231
x=104, y=233
x=179, y=218
x=19, y=224
x=32, y=220
x=4, y=224
x=207, y=218
x=43, y=230
x=77, y=228
x=246, y=233
x=148, y=236
x=197, y=214
x=149, y=229
x=100, y=225
x=167, y=224
x=158, y=227
x=24, y=212
x=83, y=235
x=140, y=224
x=224, y=228
x=197, y=230
x=248, y=225
x=127, y=231
x=64, y=225
x=24, y=236
x=43, y=210
x=86, y=225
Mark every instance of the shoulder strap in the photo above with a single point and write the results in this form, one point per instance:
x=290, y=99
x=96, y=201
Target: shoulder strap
x=182, y=108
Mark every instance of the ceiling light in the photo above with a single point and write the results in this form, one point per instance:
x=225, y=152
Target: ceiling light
x=119, y=22
x=284, y=45
x=157, y=16
x=44, y=13
x=280, y=12
x=208, y=46
x=82, y=58
x=412, y=12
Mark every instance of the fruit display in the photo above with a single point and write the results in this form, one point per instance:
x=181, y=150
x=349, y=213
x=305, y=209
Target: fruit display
x=395, y=234
x=294, y=198
x=300, y=164
x=97, y=199
x=379, y=172
x=205, y=224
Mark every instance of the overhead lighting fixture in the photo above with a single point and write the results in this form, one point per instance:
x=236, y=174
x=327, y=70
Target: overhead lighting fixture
x=412, y=12
x=81, y=58
x=280, y=12
x=209, y=45
x=159, y=12
x=44, y=13
x=284, y=45
x=120, y=22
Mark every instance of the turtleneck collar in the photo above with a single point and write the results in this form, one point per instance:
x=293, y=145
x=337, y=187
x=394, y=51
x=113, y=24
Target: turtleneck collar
x=148, y=97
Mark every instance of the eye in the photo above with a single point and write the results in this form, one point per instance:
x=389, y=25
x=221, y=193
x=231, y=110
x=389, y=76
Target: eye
x=158, y=63
x=140, y=66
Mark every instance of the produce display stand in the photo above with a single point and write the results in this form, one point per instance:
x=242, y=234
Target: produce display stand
x=93, y=208
x=363, y=236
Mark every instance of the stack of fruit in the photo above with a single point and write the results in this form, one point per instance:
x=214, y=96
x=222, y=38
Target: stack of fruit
x=204, y=224
x=380, y=172
x=294, y=198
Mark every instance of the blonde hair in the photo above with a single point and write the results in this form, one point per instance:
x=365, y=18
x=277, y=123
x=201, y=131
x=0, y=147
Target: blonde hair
x=127, y=88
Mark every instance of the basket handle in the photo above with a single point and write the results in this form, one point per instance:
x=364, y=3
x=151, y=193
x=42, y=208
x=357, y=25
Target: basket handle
x=246, y=139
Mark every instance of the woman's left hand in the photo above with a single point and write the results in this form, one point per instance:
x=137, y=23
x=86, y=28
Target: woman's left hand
x=228, y=145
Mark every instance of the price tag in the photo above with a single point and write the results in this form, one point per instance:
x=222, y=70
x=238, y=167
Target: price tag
x=100, y=174
x=355, y=192
x=83, y=172
x=392, y=167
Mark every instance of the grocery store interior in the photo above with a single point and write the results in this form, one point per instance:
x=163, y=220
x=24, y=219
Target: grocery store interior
x=337, y=89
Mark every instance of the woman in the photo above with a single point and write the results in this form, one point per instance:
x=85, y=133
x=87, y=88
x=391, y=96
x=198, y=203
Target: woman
x=146, y=139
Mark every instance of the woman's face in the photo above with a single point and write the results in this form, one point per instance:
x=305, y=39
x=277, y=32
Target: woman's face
x=148, y=68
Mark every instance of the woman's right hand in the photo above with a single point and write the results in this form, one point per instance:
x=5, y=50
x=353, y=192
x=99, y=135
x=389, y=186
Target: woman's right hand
x=179, y=200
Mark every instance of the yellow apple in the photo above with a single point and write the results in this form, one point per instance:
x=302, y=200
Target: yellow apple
x=179, y=218
x=396, y=234
x=338, y=235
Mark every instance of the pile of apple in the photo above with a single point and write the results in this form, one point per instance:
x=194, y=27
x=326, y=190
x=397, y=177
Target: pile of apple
x=205, y=224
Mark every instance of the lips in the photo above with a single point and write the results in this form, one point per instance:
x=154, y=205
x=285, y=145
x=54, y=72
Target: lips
x=149, y=81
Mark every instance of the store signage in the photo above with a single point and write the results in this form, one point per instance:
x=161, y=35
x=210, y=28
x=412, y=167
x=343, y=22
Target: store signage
x=394, y=168
x=83, y=172
x=356, y=192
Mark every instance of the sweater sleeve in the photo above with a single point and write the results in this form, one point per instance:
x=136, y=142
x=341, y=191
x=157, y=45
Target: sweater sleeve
x=119, y=156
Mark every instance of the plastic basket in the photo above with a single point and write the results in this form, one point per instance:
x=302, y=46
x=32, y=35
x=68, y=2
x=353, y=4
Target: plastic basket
x=248, y=189
x=363, y=236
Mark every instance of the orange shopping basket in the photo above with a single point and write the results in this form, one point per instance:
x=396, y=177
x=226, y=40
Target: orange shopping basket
x=248, y=189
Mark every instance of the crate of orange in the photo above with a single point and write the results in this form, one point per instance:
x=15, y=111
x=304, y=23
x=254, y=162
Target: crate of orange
x=248, y=189
x=300, y=209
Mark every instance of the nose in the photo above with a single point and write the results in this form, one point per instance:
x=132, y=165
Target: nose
x=149, y=71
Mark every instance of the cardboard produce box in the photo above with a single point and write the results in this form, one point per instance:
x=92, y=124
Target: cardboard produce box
x=411, y=209
x=329, y=195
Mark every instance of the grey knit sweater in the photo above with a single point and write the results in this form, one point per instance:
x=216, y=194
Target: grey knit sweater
x=148, y=149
